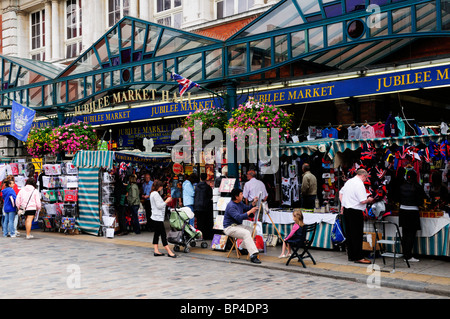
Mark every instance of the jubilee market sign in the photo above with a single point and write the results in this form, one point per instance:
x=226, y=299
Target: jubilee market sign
x=366, y=85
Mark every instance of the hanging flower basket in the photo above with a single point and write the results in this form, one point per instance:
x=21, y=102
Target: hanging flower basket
x=68, y=138
x=213, y=117
x=259, y=116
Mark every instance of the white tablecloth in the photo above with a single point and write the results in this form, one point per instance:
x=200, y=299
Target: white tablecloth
x=285, y=217
x=429, y=226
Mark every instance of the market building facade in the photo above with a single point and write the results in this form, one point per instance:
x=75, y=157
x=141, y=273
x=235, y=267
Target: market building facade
x=332, y=64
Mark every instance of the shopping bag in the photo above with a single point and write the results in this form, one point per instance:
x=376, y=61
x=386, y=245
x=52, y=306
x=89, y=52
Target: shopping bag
x=175, y=237
x=337, y=236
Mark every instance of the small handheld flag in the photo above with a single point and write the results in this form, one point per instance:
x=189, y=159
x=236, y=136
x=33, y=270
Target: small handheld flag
x=21, y=121
x=184, y=84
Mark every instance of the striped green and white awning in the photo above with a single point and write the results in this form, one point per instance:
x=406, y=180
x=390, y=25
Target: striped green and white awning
x=93, y=159
x=331, y=147
x=342, y=145
x=322, y=145
x=88, y=200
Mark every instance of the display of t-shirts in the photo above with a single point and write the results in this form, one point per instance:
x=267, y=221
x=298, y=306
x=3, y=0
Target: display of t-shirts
x=424, y=130
x=367, y=132
x=390, y=127
x=330, y=132
x=401, y=126
x=444, y=128
x=354, y=132
x=286, y=191
x=378, y=130
x=342, y=133
x=312, y=133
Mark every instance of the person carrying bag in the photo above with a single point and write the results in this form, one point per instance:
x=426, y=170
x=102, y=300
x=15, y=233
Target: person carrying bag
x=33, y=206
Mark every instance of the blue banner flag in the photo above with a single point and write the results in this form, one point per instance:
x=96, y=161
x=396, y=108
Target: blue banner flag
x=184, y=84
x=21, y=121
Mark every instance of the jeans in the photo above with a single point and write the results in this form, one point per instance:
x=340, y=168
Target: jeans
x=135, y=219
x=191, y=221
x=8, y=226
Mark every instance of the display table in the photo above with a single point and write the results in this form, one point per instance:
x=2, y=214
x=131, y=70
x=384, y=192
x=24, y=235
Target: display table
x=432, y=240
x=284, y=222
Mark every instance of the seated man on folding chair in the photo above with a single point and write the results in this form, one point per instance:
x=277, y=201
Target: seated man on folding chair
x=235, y=213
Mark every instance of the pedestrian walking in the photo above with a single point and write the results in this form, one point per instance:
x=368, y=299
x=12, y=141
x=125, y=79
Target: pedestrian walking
x=28, y=200
x=158, y=215
x=9, y=209
x=189, y=194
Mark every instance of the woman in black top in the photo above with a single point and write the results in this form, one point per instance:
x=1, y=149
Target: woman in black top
x=411, y=197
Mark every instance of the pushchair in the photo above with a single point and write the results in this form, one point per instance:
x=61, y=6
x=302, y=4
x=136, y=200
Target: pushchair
x=183, y=234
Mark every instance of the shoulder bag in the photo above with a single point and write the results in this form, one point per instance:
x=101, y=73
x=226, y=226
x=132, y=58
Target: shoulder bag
x=21, y=211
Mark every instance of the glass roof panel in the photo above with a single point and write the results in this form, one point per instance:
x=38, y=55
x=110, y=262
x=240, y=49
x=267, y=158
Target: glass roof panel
x=126, y=33
x=309, y=6
x=285, y=15
x=173, y=41
x=48, y=70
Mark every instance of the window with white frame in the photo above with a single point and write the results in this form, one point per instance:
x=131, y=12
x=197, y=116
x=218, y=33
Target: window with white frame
x=73, y=28
x=117, y=9
x=169, y=13
x=37, y=32
x=225, y=8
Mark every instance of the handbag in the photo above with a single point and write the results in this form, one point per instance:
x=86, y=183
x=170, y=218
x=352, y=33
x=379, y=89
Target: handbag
x=21, y=211
x=337, y=236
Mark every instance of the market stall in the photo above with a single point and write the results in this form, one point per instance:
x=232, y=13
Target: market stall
x=385, y=158
x=89, y=164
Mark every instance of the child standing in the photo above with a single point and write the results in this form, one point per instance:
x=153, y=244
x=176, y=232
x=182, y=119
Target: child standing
x=297, y=216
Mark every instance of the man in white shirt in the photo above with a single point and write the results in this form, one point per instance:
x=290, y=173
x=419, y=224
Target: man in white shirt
x=253, y=187
x=353, y=197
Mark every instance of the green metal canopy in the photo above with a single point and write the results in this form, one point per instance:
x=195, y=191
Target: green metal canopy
x=328, y=34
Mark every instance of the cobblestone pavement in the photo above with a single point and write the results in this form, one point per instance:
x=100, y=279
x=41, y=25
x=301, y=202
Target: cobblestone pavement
x=67, y=268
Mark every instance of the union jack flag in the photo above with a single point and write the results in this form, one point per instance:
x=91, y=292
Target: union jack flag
x=184, y=84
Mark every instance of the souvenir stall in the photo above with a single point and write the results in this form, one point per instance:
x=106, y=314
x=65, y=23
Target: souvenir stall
x=387, y=160
x=58, y=185
x=382, y=157
x=293, y=155
x=89, y=164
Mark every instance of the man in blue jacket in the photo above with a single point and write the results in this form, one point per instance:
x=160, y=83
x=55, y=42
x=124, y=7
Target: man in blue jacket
x=235, y=213
x=9, y=209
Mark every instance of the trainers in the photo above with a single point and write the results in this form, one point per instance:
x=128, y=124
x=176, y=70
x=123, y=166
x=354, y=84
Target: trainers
x=413, y=260
x=13, y=236
x=30, y=236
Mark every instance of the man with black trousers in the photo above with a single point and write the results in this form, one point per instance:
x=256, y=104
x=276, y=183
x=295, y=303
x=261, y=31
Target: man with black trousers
x=203, y=207
x=353, y=197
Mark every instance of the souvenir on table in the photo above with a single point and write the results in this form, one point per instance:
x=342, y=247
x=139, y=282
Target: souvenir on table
x=222, y=203
x=67, y=223
x=70, y=195
x=20, y=181
x=219, y=242
x=227, y=185
x=49, y=195
x=70, y=209
x=50, y=181
x=52, y=169
x=69, y=168
x=218, y=223
x=50, y=209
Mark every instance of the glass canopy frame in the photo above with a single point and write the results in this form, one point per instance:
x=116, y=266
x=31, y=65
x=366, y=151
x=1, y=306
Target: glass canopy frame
x=136, y=54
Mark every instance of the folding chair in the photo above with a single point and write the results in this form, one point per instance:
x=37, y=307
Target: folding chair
x=304, y=243
x=234, y=246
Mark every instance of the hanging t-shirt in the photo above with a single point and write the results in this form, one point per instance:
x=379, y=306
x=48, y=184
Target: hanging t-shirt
x=330, y=132
x=401, y=126
x=354, y=133
x=390, y=128
x=444, y=128
x=367, y=132
x=378, y=129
